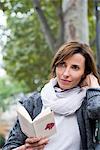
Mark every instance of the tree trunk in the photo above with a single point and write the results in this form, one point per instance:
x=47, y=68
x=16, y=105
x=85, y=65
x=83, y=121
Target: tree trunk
x=75, y=20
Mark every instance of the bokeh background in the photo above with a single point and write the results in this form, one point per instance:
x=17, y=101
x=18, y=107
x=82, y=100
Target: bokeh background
x=30, y=33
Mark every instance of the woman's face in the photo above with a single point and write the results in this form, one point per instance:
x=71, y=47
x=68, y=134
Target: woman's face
x=70, y=71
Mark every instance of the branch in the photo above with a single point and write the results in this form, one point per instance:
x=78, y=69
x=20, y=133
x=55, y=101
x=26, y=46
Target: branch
x=59, y=13
x=70, y=3
x=45, y=27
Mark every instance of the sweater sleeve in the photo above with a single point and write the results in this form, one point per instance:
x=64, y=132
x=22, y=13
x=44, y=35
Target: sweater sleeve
x=93, y=103
x=16, y=138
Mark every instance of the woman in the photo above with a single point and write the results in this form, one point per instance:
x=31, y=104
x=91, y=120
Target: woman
x=73, y=94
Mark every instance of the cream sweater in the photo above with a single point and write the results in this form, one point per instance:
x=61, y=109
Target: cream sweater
x=67, y=136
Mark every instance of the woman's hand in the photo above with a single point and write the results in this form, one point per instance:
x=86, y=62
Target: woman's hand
x=90, y=82
x=35, y=143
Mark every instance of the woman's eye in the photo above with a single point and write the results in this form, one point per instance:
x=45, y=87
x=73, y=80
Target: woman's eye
x=75, y=67
x=62, y=64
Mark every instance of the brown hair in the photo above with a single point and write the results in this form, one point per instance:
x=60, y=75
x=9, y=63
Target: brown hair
x=69, y=49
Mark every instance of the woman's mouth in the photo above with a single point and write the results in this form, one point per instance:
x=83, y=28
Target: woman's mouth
x=65, y=81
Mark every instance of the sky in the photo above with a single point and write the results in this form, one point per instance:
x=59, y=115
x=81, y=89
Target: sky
x=2, y=22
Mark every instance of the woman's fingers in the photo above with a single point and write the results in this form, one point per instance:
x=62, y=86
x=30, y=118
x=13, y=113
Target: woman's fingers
x=43, y=141
x=31, y=147
x=90, y=81
x=36, y=143
x=32, y=140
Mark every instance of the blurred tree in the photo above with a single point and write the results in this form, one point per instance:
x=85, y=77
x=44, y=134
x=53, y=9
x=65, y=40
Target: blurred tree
x=73, y=21
x=76, y=20
x=92, y=22
x=28, y=52
x=8, y=89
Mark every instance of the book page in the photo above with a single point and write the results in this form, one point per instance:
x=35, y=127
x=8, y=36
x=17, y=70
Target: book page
x=42, y=125
x=43, y=113
x=45, y=126
x=23, y=112
x=26, y=127
x=25, y=121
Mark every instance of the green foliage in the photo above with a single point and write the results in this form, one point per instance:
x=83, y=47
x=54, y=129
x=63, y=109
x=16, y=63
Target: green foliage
x=92, y=24
x=9, y=88
x=2, y=141
x=27, y=57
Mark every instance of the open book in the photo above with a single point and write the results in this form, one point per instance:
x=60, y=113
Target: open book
x=43, y=124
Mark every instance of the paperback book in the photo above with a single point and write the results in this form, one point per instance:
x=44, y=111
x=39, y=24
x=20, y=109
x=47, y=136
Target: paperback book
x=43, y=125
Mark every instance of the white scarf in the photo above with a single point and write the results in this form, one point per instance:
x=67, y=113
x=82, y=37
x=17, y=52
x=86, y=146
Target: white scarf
x=63, y=105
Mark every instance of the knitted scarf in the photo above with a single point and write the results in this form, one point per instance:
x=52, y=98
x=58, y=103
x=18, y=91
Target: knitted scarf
x=65, y=103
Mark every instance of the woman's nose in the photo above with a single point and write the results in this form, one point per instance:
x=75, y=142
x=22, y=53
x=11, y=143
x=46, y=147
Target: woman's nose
x=66, y=72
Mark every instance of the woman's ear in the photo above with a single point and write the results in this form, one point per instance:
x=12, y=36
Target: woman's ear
x=85, y=74
x=83, y=82
x=82, y=79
